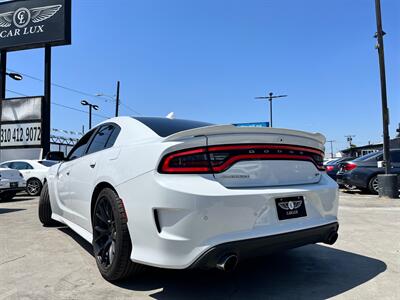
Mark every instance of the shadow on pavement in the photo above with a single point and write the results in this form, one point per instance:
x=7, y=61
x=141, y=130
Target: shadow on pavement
x=310, y=272
x=9, y=210
x=18, y=198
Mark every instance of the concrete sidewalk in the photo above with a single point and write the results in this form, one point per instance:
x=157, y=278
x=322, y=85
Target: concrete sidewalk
x=55, y=263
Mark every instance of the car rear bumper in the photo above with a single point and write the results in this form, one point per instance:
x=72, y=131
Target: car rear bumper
x=6, y=185
x=173, y=220
x=350, y=179
x=258, y=247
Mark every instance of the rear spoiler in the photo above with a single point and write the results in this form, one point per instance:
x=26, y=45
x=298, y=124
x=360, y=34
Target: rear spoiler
x=231, y=129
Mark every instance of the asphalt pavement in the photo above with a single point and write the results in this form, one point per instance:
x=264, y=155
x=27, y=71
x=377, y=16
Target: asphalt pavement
x=55, y=263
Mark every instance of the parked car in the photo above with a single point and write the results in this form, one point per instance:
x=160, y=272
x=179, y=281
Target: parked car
x=363, y=172
x=183, y=194
x=11, y=182
x=34, y=172
x=333, y=166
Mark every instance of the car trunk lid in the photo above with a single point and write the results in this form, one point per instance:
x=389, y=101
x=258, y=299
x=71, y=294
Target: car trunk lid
x=243, y=157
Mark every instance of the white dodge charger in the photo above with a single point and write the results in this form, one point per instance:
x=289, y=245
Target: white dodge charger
x=182, y=194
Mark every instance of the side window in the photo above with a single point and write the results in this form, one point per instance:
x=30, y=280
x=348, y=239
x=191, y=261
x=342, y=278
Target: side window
x=5, y=165
x=20, y=165
x=103, y=139
x=395, y=156
x=80, y=147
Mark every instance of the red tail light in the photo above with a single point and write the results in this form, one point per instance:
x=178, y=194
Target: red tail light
x=349, y=166
x=217, y=159
x=329, y=168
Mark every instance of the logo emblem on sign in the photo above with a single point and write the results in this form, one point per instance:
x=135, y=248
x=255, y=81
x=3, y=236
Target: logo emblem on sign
x=23, y=16
x=290, y=205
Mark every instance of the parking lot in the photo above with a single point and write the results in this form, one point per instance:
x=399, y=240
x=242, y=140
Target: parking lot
x=50, y=263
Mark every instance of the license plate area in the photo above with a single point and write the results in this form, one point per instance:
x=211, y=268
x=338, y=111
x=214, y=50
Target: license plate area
x=290, y=207
x=13, y=184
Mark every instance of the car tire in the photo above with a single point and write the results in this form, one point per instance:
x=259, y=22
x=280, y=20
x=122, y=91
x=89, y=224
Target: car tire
x=33, y=187
x=45, y=208
x=7, y=196
x=111, y=241
x=373, y=185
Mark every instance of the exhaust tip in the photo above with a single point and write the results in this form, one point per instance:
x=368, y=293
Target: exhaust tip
x=228, y=263
x=332, y=238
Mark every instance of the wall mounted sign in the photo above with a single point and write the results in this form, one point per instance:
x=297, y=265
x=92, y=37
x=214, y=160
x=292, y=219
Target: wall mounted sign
x=22, y=125
x=34, y=23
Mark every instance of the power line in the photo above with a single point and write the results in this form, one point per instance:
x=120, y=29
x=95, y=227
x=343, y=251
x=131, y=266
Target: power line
x=76, y=91
x=61, y=105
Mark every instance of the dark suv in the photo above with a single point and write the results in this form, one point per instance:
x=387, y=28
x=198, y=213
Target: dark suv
x=363, y=171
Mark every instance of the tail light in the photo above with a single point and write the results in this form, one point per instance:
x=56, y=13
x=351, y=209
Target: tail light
x=349, y=166
x=329, y=168
x=217, y=159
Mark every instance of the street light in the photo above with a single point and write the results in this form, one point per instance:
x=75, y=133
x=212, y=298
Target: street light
x=15, y=76
x=91, y=106
x=270, y=98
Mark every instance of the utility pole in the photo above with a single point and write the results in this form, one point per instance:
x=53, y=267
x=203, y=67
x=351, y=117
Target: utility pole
x=117, y=100
x=331, y=142
x=387, y=182
x=350, y=139
x=270, y=97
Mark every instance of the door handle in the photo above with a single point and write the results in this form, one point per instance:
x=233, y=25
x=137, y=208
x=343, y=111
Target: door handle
x=92, y=165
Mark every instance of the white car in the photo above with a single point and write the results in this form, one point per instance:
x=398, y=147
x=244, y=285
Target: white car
x=11, y=182
x=34, y=172
x=181, y=194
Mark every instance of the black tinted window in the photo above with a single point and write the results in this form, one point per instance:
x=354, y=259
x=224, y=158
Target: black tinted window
x=20, y=165
x=395, y=156
x=367, y=156
x=165, y=127
x=80, y=147
x=103, y=139
x=47, y=163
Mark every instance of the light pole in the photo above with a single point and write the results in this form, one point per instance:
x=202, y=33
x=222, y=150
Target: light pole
x=14, y=76
x=91, y=106
x=387, y=182
x=270, y=97
x=115, y=98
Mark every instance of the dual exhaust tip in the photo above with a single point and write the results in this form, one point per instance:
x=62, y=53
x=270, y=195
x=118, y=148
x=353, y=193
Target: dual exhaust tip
x=332, y=237
x=227, y=263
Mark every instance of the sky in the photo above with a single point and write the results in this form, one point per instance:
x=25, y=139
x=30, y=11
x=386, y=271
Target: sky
x=207, y=60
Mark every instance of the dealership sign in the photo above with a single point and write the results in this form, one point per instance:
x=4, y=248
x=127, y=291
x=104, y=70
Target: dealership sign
x=34, y=23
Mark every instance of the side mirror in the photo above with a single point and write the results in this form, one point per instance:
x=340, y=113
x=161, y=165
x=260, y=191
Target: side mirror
x=55, y=155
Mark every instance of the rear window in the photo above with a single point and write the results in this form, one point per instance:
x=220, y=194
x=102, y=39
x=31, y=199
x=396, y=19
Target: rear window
x=366, y=157
x=47, y=163
x=165, y=127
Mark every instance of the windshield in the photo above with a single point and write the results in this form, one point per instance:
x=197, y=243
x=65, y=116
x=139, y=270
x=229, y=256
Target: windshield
x=165, y=127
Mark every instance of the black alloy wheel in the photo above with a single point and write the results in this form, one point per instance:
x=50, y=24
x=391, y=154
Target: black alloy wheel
x=111, y=240
x=104, y=235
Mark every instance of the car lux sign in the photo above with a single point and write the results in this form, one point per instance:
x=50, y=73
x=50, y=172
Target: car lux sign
x=34, y=23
